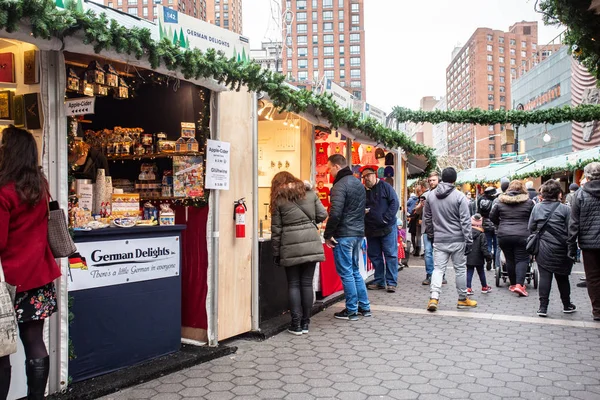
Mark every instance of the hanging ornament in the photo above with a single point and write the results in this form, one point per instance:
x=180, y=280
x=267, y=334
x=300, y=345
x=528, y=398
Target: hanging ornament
x=95, y=73
x=73, y=81
x=111, y=76
x=122, y=92
x=87, y=88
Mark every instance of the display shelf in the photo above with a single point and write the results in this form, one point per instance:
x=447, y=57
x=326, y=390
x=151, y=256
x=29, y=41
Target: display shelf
x=168, y=198
x=7, y=122
x=153, y=156
x=8, y=85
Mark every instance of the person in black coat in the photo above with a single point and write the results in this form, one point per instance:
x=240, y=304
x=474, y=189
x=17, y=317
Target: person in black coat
x=477, y=257
x=552, y=258
x=511, y=216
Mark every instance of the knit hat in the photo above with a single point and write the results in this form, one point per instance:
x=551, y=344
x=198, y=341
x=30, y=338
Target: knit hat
x=490, y=190
x=504, y=183
x=379, y=153
x=476, y=221
x=389, y=159
x=388, y=172
x=573, y=186
x=380, y=172
x=449, y=175
x=356, y=170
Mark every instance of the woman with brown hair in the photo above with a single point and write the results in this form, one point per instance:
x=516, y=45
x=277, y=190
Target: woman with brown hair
x=25, y=254
x=295, y=212
x=511, y=216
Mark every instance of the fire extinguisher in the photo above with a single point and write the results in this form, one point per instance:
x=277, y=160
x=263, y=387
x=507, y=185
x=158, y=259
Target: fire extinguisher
x=239, y=216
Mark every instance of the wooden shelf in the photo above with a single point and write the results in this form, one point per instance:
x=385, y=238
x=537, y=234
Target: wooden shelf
x=142, y=198
x=153, y=156
x=8, y=85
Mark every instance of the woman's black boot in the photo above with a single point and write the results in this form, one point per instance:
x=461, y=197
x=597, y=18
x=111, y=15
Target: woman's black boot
x=37, y=370
x=5, y=374
x=304, y=325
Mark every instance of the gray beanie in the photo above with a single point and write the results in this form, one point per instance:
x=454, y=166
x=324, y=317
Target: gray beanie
x=504, y=183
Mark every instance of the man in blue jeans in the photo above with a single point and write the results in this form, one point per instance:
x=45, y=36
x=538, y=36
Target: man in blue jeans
x=381, y=230
x=344, y=233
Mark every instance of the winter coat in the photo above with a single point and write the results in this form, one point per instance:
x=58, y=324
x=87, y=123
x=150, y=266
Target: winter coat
x=584, y=225
x=484, y=208
x=511, y=214
x=25, y=254
x=347, y=211
x=383, y=204
x=411, y=203
x=553, y=254
x=446, y=215
x=480, y=251
x=472, y=207
x=414, y=226
x=570, y=197
x=533, y=194
x=294, y=237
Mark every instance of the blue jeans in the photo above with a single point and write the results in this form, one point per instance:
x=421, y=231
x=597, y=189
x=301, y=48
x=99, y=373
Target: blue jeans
x=345, y=255
x=492, y=245
x=383, y=253
x=428, y=248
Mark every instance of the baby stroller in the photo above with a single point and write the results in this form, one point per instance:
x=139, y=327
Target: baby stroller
x=532, y=274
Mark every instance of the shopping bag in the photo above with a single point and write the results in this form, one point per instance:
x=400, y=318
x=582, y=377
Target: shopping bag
x=8, y=321
x=59, y=238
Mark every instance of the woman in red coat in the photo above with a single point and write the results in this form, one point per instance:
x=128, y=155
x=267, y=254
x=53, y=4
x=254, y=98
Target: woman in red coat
x=25, y=254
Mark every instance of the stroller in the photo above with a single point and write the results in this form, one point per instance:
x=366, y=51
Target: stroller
x=532, y=274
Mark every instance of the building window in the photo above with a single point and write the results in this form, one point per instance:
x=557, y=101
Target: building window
x=340, y=26
x=501, y=60
x=355, y=61
x=492, y=156
x=328, y=39
x=329, y=74
x=513, y=71
x=110, y=4
x=315, y=39
x=490, y=58
x=523, y=44
x=490, y=68
x=342, y=74
x=490, y=97
x=303, y=75
x=355, y=7
x=501, y=70
x=492, y=138
x=501, y=49
x=316, y=76
x=355, y=84
x=301, y=28
x=301, y=17
x=502, y=89
x=314, y=4
x=119, y=2
x=341, y=38
x=315, y=16
x=503, y=99
x=302, y=40
x=328, y=63
x=513, y=52
x=490, y=107
x=355, y=37
x=328, y=51
x=328, y=26
x=501, y=39
x=533, y=46
x=327, y=3
x=316, y=63
x=303, y=64
x=132, y=10
x=327, y=15
x=355, y=19
x=490, y=38
x=340, y=3
x=513, y=42
x=302, y=52
x=355, y=73
x=490, y=78
x=289, y=65
x=341, y=15
x=492, y=147
x=501, y=79
x=342, y=62
x=342, y=50
x=354, y=49
x=490, y=88
x=490, y=47
x=491, y=129
x=301, y=4
x=134, y=2
x=145, y=11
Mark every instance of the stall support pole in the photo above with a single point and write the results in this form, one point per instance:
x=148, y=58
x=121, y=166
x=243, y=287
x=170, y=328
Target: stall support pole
x=349, y=152
x=213, y=288
x=57, y=175
x=255, y=263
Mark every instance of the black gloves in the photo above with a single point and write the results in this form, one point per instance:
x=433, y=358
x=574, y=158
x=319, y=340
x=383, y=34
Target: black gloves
x=468, y=249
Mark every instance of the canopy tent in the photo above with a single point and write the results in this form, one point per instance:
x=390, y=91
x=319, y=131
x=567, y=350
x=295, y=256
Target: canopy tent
x=563, y=162
x=490, y=173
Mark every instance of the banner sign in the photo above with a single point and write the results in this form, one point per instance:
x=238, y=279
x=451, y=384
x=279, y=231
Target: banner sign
x=117, y=262
x=343, y=98
x=80, y=106
x=191, y=33
x=217, y=165
x=375, y=113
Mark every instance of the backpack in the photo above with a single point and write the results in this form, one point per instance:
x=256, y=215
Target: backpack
x=485, y=206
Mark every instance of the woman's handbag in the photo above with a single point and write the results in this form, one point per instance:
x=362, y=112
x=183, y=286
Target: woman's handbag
x=59, y=238
x=533, y=241
x=8, y=321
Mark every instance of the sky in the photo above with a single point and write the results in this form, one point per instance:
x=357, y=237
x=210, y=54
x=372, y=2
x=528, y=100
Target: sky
x=409, y=43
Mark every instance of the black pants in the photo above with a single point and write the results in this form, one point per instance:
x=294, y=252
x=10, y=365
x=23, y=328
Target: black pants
x=564, y=287
x=300, y=291
x=517, y=258
x=591, y=265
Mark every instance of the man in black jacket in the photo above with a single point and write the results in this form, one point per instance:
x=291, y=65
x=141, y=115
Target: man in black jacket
x=584, y=227
x=381, y=230
x=344, y=233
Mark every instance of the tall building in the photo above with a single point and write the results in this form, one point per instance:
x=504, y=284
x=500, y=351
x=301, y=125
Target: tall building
x=440, y=131
x=148, y=8
x=480, y=76
x=325, y=39
x=422, y=133
x=225, y=13
x=269, y=56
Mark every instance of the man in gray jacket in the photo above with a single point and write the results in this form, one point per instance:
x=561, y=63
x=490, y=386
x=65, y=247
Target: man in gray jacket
x=448, y=222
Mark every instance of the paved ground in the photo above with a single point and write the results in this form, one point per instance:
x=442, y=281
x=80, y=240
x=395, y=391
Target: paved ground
x=499, y=350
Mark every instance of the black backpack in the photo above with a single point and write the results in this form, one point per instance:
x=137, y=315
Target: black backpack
x=485, y=206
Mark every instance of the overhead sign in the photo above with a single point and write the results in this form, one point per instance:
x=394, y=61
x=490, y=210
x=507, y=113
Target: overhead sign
x=343, y=98
x=375, y=113
x=80, y=106
x=217, y=165
x=118, y=262
x=191, y=33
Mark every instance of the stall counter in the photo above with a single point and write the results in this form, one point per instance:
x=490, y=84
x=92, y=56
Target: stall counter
x=125, y=295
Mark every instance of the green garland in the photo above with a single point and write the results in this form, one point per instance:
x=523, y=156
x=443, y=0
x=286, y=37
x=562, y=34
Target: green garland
x=583, y=33
x=557, y=115
x=49, y=22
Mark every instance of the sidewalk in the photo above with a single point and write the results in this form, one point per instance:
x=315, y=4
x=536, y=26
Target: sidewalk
x=501, y=350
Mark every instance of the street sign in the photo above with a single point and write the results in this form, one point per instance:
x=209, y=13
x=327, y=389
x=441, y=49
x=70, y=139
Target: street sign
x=504, y=155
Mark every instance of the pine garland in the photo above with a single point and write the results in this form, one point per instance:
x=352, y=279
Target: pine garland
x=103, y=34
x=557, y=115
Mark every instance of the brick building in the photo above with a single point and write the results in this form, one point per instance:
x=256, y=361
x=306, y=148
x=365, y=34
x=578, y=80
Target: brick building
x=480, y=76
x=148, y=8
x=225, y=13
x=325, y=39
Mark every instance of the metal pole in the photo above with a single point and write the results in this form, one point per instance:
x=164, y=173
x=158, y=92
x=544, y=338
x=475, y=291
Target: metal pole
x=255, y=262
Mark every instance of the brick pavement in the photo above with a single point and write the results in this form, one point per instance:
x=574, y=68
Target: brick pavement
x=403, y=352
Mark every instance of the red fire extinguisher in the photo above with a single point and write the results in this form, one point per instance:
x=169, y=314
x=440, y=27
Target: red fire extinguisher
x=239, y=216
